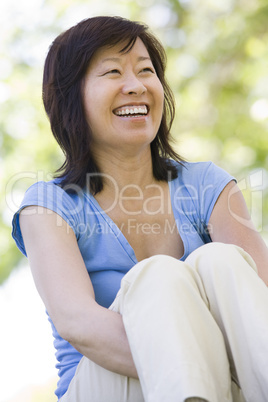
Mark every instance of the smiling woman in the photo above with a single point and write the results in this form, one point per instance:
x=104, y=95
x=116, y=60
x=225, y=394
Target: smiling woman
x=150, y=268
x=124, y=89
x=104, y=43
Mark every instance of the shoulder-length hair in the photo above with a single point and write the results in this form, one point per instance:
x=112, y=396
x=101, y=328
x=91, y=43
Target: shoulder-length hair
x=65, y=67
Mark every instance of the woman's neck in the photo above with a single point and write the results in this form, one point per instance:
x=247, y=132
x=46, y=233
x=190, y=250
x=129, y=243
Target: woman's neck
x=121, y=171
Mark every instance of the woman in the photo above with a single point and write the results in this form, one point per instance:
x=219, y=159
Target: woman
x=148, y=279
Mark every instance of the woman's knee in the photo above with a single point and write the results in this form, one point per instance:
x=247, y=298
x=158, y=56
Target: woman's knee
x=216, y=249
x=157, y=271
x=157, y=264
x=216, y=257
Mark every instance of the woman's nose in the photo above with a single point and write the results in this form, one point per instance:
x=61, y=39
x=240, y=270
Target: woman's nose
x=133, y=86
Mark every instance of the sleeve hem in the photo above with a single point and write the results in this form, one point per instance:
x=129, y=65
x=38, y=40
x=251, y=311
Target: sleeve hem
x=217, y=195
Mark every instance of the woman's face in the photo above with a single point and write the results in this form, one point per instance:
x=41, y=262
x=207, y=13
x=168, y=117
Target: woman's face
x=123, y=98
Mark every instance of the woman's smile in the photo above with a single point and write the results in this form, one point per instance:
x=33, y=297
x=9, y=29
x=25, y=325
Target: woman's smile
x=137, y=110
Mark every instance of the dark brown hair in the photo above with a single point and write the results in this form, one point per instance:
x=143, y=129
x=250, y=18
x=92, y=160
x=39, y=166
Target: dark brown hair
x=65, y=68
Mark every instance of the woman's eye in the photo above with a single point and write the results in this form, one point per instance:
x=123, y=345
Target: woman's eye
x=147, y=69
x=114, y=71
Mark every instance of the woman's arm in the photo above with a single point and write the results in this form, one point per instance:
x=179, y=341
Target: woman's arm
x=230, y=222
x=64, y=285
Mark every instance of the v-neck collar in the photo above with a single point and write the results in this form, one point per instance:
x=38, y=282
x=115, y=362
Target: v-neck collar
x=118, y=234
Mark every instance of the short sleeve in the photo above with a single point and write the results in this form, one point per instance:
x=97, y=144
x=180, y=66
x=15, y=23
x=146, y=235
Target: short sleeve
x=212, y=181
x=53, y=197
x=195, y=193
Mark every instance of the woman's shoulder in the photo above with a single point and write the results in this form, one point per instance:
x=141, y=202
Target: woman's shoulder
x=199, y=182
x=198, y=187
x=68, y=202
x=52, y=192
x=200, y=173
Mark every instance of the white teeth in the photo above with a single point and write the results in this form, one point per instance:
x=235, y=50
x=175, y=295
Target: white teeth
x=132, y=110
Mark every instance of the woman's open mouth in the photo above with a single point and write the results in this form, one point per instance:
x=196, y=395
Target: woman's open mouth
x=131, y=111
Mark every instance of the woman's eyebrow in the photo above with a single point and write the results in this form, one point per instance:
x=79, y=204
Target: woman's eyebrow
x=118, y=59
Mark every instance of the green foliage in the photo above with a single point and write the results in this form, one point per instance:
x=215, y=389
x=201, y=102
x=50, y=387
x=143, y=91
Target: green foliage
x=217, y=67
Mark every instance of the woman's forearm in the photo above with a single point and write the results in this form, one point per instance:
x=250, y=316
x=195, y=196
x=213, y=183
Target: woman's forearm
x=102, y=338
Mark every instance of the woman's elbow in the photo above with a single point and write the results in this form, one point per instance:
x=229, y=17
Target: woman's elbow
x=76, y=326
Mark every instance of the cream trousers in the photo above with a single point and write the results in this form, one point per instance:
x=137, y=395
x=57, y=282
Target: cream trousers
x=196, y=328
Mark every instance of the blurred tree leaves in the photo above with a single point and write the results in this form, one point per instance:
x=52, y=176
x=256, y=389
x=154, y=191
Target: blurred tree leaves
x=217, y=67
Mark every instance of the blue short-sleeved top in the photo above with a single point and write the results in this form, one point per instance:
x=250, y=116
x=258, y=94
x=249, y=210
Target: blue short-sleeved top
x=107, y=254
